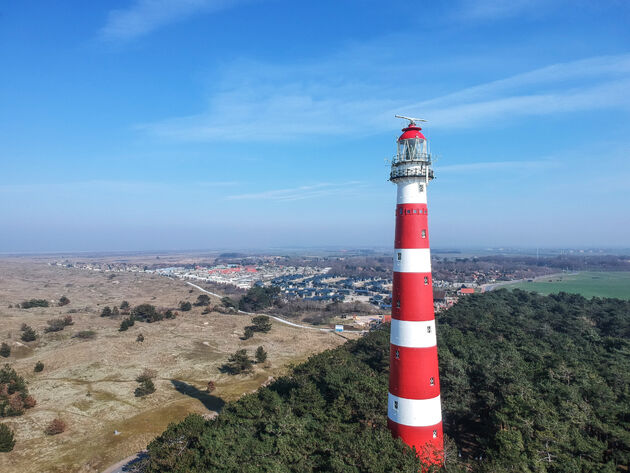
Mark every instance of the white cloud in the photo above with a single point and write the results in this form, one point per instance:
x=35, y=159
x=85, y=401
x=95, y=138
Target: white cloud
x=145, y=16
x=301, y=193
x=286, y=102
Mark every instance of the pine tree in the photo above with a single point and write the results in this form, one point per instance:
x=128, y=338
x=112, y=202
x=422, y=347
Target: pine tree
x=5, y=350
x=7, y=440
x=261, y=355
x=28, y=334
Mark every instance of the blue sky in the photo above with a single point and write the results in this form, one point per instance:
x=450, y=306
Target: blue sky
x=190, y=124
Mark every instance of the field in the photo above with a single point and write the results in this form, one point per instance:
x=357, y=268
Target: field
x=90, y=383
x=588, y=284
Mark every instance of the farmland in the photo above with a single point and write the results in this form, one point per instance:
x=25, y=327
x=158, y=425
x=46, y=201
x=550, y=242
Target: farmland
x=588, y=284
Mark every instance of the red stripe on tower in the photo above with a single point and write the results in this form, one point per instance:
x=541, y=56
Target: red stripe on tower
x=414, y=408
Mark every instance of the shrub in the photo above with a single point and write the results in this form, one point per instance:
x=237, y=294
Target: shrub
x=55, y=325
x=85, y=334
x=126, y=323
x=5, y=350
x=140, y=338
x=228, y=302
x=115, y=311
x=261, y=323
x=238, y=363
x=146, y=387
x=34, y=303
x=169, y=314
x=64, y=301
x=185, y=306
x=67, y=320
x=146, y=374
x=55, y=427
x=124, y=307
x=202, y=299
x=146, y=313
x=39, y=367
x=29, y=402
x=7, y=439
x=106, y=312
x=28, y=334
x=13, y=392
x=248, y=333
x=261, y=355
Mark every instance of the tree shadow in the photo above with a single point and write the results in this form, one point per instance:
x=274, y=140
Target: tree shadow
x=210, y=402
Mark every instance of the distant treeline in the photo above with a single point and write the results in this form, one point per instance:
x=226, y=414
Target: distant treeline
x=529, y=384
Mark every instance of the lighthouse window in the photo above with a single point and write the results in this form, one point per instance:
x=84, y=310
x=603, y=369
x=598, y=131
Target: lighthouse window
x=400, y=211
x=397, y=354
x=408, y=212
x=396, y=405
x=398, y=304
x=435, y=434
x=424, y=233
x=429, y=329
x=431, y=381
x=426, y=280
x=399, y=256
x=421, y=187
x=415, y=211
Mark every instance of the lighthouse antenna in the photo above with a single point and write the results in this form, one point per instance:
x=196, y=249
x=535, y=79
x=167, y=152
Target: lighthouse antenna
x=412, y=121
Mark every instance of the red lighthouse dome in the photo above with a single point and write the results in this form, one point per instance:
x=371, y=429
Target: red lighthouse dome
x=411, y=132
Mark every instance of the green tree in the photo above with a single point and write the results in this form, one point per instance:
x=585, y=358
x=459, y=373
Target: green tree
x=28, y=334
x=145, y=388
x=106, y=312
x=185, y=306
x=261, y=323
x=258, y=298
x=261, y=355
x=202, y=299
x=228, y=302
x=7, y=439
x=5, y=350
x=63, y=300
x=126, y=323
x=39, y=367
x=238, y=363
x=169, y=314
x=146, y=313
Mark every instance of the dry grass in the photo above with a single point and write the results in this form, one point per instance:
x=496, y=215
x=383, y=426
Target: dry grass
x=90, y=383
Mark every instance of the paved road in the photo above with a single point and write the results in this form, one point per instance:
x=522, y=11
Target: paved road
x=292, y=324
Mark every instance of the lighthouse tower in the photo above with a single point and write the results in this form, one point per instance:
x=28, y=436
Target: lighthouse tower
x=414, y=410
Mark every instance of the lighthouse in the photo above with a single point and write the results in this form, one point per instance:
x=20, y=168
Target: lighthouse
x=414, y=410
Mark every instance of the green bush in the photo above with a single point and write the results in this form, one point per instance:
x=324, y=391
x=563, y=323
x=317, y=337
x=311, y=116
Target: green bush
x=85, y=335
x=126, y=323
x=7, y=440
x=185, y=306
x=146, y=313
x=34, y=303
x=238, y=363
x=261, y=355
x=146, y=387
x=106, y=312
x=64, y=301
x=5, y=350
x=202, y=299
x=28, y=334
x=39, y=367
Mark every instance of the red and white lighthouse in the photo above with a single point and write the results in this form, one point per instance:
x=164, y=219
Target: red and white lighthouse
x=414, y=409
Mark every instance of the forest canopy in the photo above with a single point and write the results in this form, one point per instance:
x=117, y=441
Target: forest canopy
x=529, y=384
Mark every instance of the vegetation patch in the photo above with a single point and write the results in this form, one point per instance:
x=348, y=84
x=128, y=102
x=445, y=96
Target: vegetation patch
x=529, y=383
